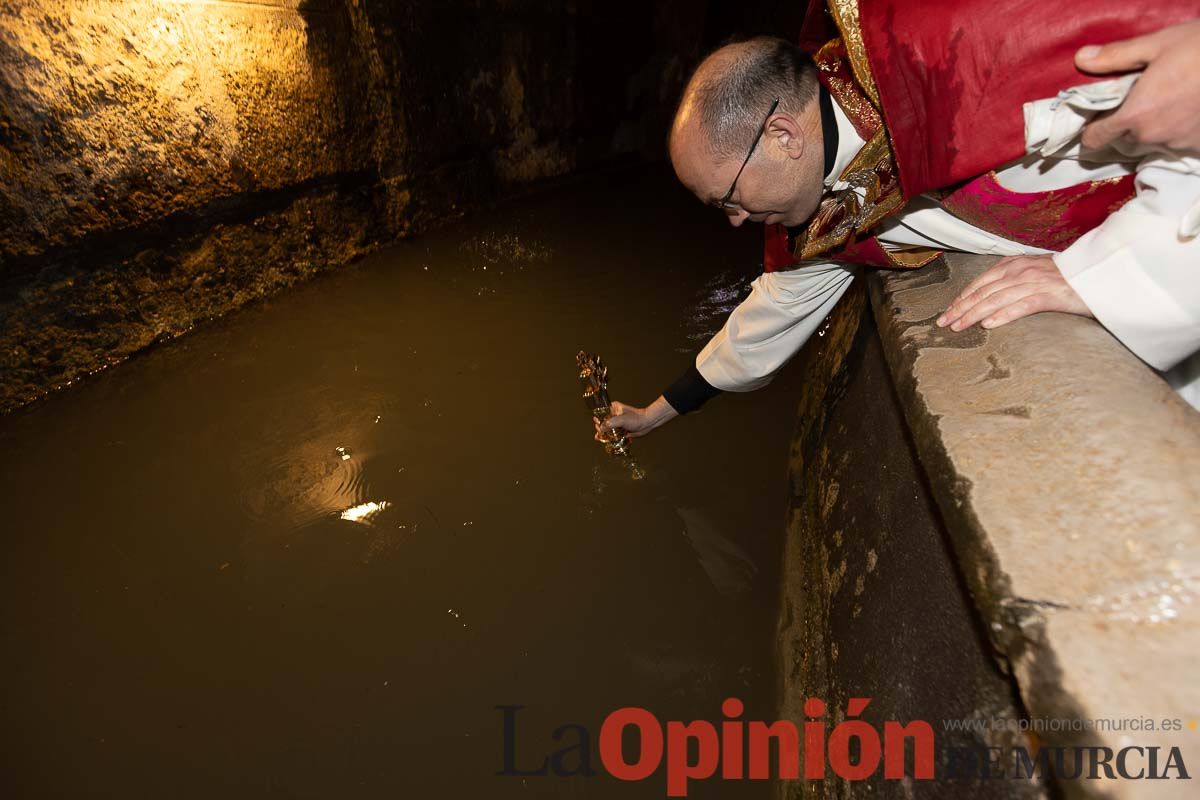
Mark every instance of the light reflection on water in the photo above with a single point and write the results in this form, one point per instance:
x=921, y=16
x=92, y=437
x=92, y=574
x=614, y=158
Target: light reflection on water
x=388, y=479
x=706, y=312
x=364, y=512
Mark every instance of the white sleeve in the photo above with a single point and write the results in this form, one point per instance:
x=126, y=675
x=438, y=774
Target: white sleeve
x=772, y=324
x=1139, y=272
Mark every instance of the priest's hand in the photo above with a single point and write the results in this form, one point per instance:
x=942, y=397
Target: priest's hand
x=636, y=421
x=1015, y=287
x=1163, y=108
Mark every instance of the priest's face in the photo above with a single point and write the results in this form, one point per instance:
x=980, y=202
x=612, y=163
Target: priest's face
x=781, y=182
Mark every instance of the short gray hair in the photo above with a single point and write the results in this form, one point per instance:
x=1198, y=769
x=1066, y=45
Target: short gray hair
x=732, y=103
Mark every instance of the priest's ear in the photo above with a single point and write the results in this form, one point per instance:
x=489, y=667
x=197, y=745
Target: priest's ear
x=787, y=133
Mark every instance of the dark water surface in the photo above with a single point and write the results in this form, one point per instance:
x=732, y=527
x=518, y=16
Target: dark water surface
x=306, y=550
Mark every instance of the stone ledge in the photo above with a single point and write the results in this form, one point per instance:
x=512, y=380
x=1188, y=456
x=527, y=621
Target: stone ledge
x=1068, y=475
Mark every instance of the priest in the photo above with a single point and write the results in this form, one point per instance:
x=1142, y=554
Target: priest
x=955, y=127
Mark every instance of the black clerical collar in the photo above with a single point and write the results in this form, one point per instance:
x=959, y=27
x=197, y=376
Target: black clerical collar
x=829, y=129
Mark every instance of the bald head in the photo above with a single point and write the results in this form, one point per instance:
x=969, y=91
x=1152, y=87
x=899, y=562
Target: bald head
x=733, y=87
x=722, y=112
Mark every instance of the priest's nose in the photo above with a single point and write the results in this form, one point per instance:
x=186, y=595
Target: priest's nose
x=737, y=216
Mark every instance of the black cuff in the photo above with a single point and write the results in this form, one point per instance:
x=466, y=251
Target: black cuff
x=690, y=391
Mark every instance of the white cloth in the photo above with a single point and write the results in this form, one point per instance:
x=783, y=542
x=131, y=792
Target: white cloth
x=1138, y=272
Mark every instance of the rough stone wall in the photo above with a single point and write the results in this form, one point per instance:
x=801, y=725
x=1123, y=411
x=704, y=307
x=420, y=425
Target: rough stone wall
x=872, y=603
x=166, y=161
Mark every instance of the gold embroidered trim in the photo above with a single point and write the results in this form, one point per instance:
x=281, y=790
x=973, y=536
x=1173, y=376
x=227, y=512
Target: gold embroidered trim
x=912, y=257
x=845, y=14
x=832, y=61
x=871, y=190
x=845, y=213
x=1047, y=214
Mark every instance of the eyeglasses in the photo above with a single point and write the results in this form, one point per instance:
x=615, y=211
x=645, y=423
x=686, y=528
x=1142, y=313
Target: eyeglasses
x=723, y=203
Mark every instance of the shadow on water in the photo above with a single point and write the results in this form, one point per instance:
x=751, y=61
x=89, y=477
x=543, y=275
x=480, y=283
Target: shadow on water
x=306, y=550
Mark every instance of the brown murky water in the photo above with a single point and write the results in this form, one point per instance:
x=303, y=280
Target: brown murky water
x=305, y=551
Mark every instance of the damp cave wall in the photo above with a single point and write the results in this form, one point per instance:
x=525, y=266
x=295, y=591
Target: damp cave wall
x=163, y=162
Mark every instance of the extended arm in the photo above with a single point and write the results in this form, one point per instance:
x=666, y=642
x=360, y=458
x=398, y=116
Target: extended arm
x=770, y=326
